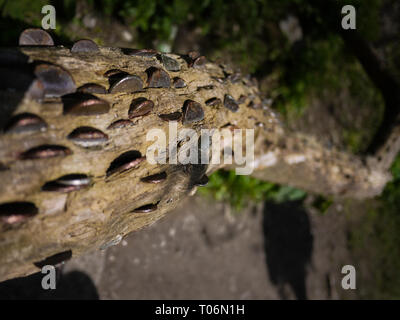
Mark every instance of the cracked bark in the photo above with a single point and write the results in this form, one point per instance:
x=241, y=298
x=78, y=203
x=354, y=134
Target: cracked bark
x=110, y=207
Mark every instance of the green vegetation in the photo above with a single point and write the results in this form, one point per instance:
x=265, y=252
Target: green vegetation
x=322, y=204
x=24, y=10
x=245, y=31
x=240, y=190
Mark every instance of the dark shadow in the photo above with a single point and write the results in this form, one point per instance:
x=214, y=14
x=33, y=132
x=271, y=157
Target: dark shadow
x=16, y=75
x=288, y=246
x=74, y=285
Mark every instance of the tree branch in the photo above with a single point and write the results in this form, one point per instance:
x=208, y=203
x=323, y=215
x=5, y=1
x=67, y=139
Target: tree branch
x=44, y=216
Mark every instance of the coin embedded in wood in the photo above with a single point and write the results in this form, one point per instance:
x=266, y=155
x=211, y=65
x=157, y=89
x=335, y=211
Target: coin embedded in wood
x=155, y=178
x=192, y=112
x=15, y=212
x=87, y=137
x=230, y=103
x=140, y=107
x=84, y=45
x=84, y=104
x=125, y=161
x=253, y=105
x=157, y=78
x=68, y=183
x=56, y=81
x=53, y=186
x=35, y=37
x=207, y=87
x=25, y=122
x=92, y=88
x=126, y=83
x=213, y=102
x=112, y=72
x=179, y=83
x=242, y=99
x=174, y=116
x=199, y=62
x=74, y=179
x=146, y=208
x=45, y=151
x=170, y=63
x=36, y=90
x=120, y=124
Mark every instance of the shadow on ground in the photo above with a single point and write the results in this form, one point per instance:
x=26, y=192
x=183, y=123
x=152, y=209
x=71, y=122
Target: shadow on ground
x=288, y=245
x=72, y=285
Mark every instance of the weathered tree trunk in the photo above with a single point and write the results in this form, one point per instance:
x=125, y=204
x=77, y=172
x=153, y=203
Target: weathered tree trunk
x=43, y=215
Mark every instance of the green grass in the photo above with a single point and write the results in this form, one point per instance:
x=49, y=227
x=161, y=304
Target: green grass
x=239, y=191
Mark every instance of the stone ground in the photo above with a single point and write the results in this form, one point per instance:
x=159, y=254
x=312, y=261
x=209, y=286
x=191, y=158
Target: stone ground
x=204, y=251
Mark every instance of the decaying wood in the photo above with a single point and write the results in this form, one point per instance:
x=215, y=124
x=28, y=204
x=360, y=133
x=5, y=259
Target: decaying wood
x=117, y=202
